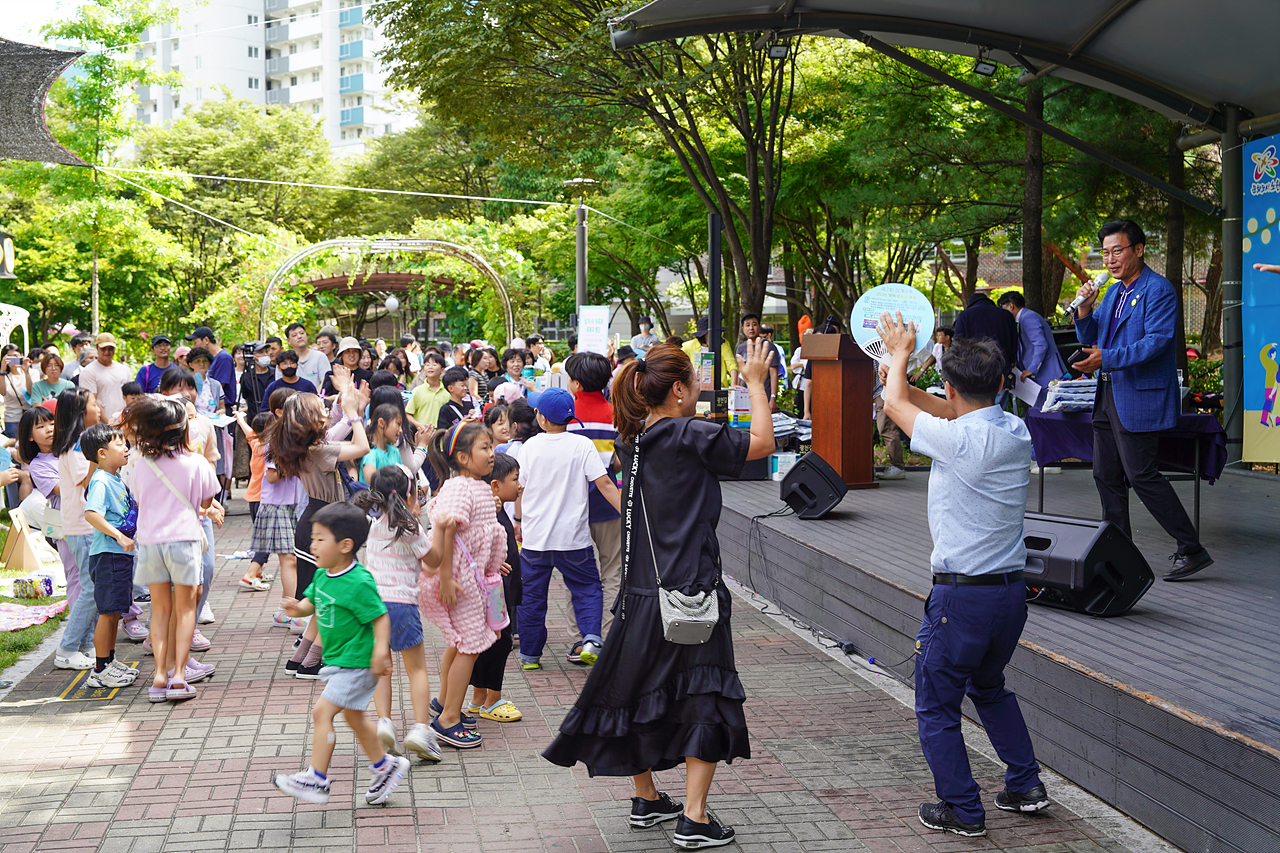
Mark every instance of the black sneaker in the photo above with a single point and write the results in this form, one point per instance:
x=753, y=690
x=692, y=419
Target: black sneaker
x=646, y=813
x=310, y=673
x=695, y=836
x=292, y=666
x=1186, y=565
x=940, y=816
x=1032, y=801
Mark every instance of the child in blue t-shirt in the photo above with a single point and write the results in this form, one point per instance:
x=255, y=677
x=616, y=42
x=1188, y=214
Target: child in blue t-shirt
x=113, y=514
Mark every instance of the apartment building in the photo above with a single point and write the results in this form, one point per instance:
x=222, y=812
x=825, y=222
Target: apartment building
x=316, y=56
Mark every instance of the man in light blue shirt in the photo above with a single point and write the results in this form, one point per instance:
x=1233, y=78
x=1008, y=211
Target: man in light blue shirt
x=976, y=610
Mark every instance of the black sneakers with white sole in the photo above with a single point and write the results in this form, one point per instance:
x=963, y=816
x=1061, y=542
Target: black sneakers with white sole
x=696, y=836
x=646, y=813
x=1032, y=801
x=940, y=816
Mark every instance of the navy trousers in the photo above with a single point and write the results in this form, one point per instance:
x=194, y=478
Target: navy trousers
x=968, y=635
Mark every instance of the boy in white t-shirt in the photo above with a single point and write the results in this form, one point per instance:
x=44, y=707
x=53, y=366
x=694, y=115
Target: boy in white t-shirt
x=551, y=516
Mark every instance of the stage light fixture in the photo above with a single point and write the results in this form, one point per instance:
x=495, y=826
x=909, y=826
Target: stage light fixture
x=983, y=64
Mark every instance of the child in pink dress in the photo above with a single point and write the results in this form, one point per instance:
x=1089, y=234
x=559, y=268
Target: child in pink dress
x=449, y=595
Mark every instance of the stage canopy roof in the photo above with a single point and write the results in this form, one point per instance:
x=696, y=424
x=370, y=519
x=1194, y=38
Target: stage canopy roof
x=1180, y=57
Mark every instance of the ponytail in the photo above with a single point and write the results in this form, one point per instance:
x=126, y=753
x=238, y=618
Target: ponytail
x=387, y=493
x=644, y=384
x=445, y=446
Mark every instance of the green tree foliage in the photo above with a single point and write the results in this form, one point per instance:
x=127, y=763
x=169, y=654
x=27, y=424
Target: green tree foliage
x=237, y=139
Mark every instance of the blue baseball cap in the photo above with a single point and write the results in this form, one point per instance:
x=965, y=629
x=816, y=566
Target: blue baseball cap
x=554, y=404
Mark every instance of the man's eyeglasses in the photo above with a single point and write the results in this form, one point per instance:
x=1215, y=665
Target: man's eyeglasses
x=1114, y=253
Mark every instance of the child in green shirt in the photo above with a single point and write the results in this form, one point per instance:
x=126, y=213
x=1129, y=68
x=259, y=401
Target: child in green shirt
x=356, y=633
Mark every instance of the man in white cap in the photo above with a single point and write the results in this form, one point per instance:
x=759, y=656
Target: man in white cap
x=105, y=376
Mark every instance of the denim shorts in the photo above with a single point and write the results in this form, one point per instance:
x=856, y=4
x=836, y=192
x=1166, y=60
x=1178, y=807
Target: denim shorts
x=165, y=562
x=347, y=687
x=112, y=575
x=406, y=625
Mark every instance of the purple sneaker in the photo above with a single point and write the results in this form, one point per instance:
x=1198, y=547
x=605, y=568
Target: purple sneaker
x=135, y=630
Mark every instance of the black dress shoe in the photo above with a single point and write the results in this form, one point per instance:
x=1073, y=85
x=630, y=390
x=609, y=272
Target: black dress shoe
x=1186, y=565
x=940, y=816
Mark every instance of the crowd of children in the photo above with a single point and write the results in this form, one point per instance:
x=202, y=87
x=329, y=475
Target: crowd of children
x=139, y=502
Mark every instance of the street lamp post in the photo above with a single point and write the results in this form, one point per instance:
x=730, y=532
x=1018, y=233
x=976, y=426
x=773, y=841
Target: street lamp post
x=580, y=250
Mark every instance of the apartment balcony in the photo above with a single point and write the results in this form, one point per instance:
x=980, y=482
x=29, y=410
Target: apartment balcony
x=351, y=83
x=277, y=5
x=354, y=115
x=351, y=50
x=277, y=33
x=278, y=96
x=278, y=65
x=143, y=93
x=351, y=17
x=305, y=60
x=306, y=26
x=305, y=92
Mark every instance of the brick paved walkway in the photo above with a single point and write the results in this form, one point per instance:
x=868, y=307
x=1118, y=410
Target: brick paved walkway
x=836, y=764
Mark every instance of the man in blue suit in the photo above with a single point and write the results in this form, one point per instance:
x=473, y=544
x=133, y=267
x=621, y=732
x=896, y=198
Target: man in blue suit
x=1038, y=356
x=1129, y=340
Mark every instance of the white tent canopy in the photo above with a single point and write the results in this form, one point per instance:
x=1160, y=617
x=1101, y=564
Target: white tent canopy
x=1181, y=57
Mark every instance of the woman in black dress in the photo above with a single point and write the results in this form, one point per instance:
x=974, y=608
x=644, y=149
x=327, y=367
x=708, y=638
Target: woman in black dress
x=650, y=704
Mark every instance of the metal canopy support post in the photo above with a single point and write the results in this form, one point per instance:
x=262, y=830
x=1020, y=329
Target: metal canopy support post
x=1233, y=283
x=580, y=259
x=714, y=333
x=1043, y=126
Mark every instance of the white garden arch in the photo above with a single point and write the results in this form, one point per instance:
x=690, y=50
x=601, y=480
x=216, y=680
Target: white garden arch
x=367, y=247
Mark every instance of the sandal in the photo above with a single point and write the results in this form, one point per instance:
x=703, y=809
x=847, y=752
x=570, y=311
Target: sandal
x=456, y=735
x=468, y=721
x=254, y=584
x=179, y=690
x=501, y=711
x=575, y=654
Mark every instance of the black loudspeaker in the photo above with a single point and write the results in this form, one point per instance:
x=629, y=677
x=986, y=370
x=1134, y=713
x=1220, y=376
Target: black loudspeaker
x=1086, y=566
x=812, y=487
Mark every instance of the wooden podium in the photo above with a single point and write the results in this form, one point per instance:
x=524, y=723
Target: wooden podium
x=842, y=383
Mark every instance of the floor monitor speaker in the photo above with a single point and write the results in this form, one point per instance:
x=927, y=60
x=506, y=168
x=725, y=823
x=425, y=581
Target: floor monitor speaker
x=812, y=487
x=1087, y=566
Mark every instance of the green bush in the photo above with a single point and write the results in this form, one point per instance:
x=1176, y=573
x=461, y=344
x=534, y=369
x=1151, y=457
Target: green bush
x=1206, y=375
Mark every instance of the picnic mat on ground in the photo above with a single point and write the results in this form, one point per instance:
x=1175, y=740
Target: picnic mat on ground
x=15, y=617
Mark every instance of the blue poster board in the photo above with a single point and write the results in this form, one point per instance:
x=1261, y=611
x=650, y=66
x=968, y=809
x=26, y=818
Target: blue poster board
x=1261, y=308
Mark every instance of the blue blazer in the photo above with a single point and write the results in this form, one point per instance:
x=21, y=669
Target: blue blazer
x=1036, y=349
x=1141, y=359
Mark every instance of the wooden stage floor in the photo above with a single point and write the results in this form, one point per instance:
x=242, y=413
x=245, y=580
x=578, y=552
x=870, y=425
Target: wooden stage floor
x=1171, y=712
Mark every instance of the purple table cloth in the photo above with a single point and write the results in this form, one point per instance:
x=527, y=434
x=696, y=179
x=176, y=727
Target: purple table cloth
x=1069, y=435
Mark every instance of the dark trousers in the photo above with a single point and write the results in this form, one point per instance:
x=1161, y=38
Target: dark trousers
x=965, y=641
x=1122, y=458
x=491, y=664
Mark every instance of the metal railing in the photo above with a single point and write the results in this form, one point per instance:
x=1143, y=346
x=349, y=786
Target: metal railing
x=351, y=50
x=351, y=17
x=279, y=32
x=353, y=115
x=278, y=96
x=351, y=83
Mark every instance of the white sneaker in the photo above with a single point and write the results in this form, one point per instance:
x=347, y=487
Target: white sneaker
x=109, y=677
x=893, y=472
x=421, y=741
x=74, y=660
x=386, y=780
x=123, y=669
x=305, y=785
x=590, y=652
x=206, y=615
x=387, y=734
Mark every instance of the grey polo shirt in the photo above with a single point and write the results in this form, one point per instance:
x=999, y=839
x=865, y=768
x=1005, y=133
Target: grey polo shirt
x=977, y=490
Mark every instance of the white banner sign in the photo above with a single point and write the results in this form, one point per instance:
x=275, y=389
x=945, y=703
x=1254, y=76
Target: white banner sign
x=593, y=329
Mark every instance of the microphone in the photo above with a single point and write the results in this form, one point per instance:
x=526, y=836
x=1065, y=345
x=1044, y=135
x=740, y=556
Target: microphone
x=1099, y=280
